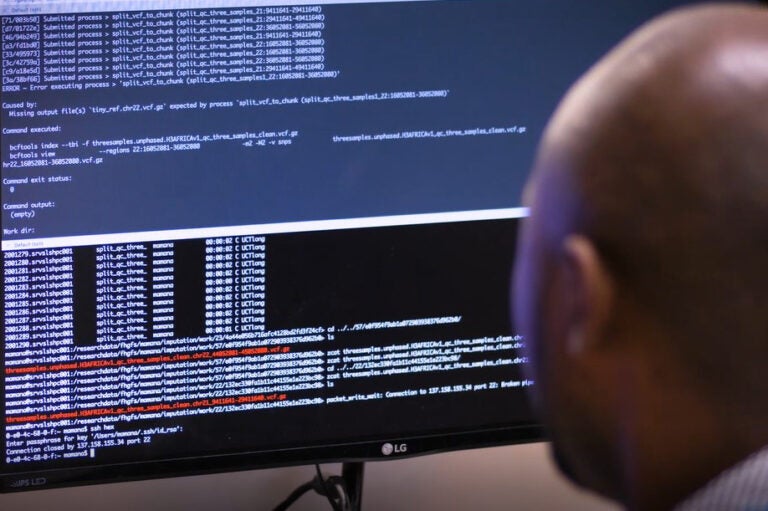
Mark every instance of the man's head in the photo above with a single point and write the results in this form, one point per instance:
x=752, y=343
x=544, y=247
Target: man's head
x=642, y=276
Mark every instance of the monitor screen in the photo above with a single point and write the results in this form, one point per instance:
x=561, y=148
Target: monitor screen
x=243, y=234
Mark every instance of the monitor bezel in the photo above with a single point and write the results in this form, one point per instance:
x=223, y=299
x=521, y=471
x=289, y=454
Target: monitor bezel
x=362, y=451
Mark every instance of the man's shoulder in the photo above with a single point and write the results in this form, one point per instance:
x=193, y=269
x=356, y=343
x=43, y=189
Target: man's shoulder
x=742, y=487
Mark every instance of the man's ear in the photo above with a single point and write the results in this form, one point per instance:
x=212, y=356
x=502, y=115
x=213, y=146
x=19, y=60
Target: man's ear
x=590, y=294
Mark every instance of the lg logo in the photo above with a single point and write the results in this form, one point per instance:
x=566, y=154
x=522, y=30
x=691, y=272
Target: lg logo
x=389, y=449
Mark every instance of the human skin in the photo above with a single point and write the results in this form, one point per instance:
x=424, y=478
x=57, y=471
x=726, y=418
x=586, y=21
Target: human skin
x=641, y=278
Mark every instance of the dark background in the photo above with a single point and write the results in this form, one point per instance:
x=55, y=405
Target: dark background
x=505, y=63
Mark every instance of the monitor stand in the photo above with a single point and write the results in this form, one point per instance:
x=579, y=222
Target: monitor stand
x=352, y=473
x=344, y=493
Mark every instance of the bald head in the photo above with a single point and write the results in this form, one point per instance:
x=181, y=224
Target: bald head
x=664, y=148
x=641, y=282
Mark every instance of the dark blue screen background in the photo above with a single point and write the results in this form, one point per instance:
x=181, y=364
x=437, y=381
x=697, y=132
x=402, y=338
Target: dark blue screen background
x=505, y=64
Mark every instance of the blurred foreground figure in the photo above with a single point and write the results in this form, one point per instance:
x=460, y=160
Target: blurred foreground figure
x=641, y=283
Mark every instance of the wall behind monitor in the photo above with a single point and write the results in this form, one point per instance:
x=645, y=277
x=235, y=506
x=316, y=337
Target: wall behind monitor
x=503, y=478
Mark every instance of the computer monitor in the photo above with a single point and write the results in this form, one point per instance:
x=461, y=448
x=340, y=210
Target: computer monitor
x=242, y=234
